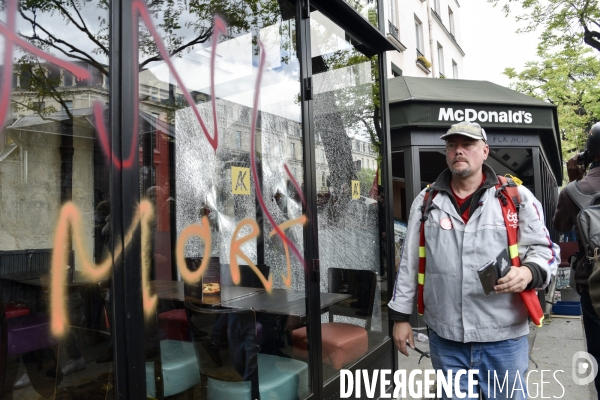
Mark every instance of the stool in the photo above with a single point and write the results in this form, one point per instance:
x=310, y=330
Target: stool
x=342, y=343
x=278, y=378
x=179, y=368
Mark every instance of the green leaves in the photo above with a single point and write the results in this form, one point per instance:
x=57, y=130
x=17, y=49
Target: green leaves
x=570, y=79
x=565, y=23
x=568, y=74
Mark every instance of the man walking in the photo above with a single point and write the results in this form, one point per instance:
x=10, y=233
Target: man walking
x=463, y=231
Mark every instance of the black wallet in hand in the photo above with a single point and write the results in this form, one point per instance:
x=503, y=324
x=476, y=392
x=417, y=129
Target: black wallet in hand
x=488, y=275
x=494, y=270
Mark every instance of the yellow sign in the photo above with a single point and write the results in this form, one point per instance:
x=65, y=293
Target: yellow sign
x=240, y=180
x=355, y=189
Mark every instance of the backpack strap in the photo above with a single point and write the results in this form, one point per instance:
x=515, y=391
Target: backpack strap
x=582, y=200
x=508, y=194
x=510, y=201
x=425, y=209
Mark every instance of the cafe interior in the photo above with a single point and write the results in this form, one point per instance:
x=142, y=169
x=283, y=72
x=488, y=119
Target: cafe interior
x=192, y=205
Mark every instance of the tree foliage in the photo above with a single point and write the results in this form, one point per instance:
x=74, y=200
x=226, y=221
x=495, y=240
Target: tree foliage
x=182, y=24
x=570, y=79
x=565, y=23
x=66, y=29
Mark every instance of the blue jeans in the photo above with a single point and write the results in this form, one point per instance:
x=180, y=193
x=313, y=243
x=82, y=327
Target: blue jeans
x=591, y=324
x=496, y=360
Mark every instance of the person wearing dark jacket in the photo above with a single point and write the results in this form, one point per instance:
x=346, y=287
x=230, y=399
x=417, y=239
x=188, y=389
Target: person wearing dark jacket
x=564, y=220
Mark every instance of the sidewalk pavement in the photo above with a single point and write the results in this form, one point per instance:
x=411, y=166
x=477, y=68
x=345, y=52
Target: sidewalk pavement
x=551, y=347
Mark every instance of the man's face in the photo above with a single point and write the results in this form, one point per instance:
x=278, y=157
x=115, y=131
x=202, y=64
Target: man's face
x=465, y=156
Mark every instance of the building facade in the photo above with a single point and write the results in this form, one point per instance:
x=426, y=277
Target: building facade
x=426, y=34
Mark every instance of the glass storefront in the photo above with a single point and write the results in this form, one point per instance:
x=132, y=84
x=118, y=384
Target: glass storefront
x=346, y=124
x=191, y=199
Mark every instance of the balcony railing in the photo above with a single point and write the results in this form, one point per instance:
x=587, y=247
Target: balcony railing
x=393, y=30
x=421, y=61
x=449, y=33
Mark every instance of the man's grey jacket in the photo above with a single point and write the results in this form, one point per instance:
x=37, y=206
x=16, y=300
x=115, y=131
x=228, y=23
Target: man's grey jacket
x=456, y=307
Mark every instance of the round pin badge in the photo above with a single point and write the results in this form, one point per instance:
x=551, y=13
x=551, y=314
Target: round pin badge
x=445, y=223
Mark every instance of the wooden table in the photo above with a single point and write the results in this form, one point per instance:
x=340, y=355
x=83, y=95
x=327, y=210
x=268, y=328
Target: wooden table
x=42, y=279
x=173, y=290
x=283, y=301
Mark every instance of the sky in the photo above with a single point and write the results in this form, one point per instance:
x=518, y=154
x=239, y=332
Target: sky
x=490, y=42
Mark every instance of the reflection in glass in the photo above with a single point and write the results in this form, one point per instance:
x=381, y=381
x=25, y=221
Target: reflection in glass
x=366, y=8
x=51, y=161
x=208, y=199
x=350, y=202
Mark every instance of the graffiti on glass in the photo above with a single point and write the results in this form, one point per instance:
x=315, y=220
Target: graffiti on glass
x=70, y=223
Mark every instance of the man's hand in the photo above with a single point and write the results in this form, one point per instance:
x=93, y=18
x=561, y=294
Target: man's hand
x=515, y=281
x=574, y=171
x=402, y=332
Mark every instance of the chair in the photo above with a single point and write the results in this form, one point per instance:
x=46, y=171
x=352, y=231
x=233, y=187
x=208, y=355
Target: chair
x=247, y=276
x=15, y=309
x=229, y=362
x=567, y=249
x=179, y=369
x=28, y=333
x=171, y=365
x=342, y=342
x=175, y=324
x=248, y=279
x=29, y=336
x=3, y=346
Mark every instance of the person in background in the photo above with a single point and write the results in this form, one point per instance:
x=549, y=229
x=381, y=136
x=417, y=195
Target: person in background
x=564, y=220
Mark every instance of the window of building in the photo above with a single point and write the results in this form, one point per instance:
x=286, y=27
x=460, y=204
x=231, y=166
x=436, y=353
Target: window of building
x=436, y=6
x=393, y=12
x=440, y=50
x=154, y=93
x=238, y=140
x=451, y=20
x=293, y=150
x=323, y=181
x=454, y=70
x=419, y=35
x=155, y=137
x=69, y=104
x=396, y=71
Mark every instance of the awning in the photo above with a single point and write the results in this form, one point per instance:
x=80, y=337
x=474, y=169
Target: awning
x=84, y=123
x=426, y=102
